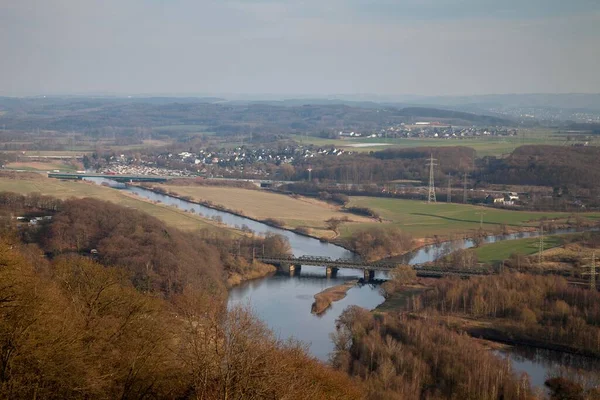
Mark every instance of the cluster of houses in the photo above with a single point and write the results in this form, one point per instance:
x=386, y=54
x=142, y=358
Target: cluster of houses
x=125, y=169
x=504, y=199
x=187, y=163
x=429, y=130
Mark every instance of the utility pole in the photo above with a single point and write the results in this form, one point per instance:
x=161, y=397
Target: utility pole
x=592, y=272
x=309, y=173
x=449, y=194
x=481, y=214
x=541, y=245
x=431, y=194
x=465, y=189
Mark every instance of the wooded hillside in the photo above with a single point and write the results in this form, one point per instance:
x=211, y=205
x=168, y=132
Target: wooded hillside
x=557, y=166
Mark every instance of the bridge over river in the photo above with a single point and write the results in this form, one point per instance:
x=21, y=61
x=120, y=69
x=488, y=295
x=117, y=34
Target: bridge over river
x=295, y=263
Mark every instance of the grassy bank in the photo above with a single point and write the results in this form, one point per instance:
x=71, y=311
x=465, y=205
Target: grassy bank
x=496, y=252
x=258, y=270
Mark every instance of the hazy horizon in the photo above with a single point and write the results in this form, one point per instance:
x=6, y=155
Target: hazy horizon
x=262, y=48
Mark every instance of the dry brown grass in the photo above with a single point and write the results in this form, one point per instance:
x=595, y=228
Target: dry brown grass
x=259, y=270
x=43, y=166
x=259, y=204
x=324, y=299
x=25, y=183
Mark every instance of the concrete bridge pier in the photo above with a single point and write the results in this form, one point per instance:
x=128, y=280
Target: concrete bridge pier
x=295, y=269
x=331, y=272
x=369, y=274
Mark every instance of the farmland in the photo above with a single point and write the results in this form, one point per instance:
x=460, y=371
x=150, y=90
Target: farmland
x=484, y=146
x=43, y=166
x=442, y=219
x=293, y=211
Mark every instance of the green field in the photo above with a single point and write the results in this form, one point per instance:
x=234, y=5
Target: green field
x=66, y=189
x=425, y=220
x=485, y=146
x=495, y=252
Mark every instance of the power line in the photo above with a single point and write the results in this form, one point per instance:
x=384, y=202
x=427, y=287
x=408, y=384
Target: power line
x=465, y=189
x=592, y=272
x=431, y=195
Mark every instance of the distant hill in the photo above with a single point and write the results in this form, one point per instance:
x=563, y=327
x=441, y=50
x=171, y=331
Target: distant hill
x=561, y=101
x=458, y=116
x=216, y=115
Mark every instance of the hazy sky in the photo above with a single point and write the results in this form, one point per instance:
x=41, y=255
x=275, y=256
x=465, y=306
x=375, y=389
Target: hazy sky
x=321, y=47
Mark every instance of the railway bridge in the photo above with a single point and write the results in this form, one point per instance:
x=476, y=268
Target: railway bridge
x=294, y=264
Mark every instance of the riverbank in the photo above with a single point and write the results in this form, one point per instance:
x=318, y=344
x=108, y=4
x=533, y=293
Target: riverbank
x=289, y=211
x=220, y=207
x=258, y=271
x=324, y=299
x=499, y=331
x=400, y=300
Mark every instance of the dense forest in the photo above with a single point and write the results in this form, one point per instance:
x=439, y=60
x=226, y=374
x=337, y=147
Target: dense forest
x=423, y=349
x=103, y=302
x=158, y=259
x=389, y=165
x=98, y=301
x=555, y=166
x=529, y=308
x=403, y=357
x=72, y=328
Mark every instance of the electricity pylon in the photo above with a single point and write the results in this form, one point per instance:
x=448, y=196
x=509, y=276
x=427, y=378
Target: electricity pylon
x=541, y=245
x=431, y=194
x=449, y=194
x=465, y=189
x=481, y=214
x=592, y=272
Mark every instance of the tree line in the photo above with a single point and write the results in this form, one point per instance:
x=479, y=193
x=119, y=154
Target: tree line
x=73, y=328
x=405, y=357
x=542, y=310
x=158, y=259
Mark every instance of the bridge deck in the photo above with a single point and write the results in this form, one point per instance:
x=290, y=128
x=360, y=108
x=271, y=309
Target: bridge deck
x=422, y=270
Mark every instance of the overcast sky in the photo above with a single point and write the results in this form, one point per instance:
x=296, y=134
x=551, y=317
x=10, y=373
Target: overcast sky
x=302, y=47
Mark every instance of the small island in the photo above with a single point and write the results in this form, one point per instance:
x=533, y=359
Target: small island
x=324, y=299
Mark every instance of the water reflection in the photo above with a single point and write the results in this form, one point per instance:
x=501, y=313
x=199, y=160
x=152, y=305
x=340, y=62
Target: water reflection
x=284, y=300
x=541, y=364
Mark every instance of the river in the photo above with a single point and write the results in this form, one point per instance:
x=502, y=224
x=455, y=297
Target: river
x=284, y=300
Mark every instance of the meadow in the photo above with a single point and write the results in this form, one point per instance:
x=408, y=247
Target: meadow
x=425, y=220
x=493, y=253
